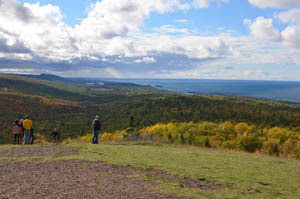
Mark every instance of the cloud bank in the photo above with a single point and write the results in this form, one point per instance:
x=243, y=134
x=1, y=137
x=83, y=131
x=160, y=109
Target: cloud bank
x=110, y=41
x=275, y=3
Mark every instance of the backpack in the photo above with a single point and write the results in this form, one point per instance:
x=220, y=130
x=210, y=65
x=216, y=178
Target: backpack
x=15, y=129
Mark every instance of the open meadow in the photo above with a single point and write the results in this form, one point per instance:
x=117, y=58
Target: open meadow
x=136, y=170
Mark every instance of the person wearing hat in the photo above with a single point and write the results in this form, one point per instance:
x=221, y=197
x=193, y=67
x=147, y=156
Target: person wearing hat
x=27, y=124
x=96, y=129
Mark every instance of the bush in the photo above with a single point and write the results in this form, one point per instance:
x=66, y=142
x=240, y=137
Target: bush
x=86, y=138
x=249, y=144
x=199, y=140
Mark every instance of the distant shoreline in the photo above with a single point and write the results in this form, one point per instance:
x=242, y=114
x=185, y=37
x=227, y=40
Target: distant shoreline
x=286, y=91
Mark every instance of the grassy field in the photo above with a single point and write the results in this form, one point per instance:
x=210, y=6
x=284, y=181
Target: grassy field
x=241, y=175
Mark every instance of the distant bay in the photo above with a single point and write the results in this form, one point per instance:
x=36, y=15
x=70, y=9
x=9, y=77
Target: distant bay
x=276, y=90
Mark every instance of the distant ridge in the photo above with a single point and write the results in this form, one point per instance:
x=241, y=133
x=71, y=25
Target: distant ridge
x=48, y=77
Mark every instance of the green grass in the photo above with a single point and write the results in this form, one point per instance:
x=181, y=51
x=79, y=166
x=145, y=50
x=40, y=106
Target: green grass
x=242, y=175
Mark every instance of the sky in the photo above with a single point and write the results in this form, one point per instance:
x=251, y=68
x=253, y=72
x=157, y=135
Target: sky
x=194, y=39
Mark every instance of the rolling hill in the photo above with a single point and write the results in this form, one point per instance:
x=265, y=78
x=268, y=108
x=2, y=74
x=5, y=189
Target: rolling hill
x=149, y=133
x=71, y=106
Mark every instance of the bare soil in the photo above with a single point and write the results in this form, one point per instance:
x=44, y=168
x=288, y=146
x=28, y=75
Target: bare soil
x=78, y=179
x=30, y=151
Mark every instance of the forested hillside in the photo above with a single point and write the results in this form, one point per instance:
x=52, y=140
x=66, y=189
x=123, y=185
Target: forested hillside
x=70, y=106
x=185, y=108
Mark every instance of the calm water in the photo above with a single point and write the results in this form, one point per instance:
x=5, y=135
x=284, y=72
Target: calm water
x=278, y=90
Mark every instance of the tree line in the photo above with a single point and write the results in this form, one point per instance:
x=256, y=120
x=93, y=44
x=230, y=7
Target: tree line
x=276, y=141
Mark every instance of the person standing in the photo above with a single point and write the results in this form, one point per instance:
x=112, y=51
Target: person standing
x=27, y=124
x=96, y=128
x=22, y=131
x=16, y=130
x=55, y=135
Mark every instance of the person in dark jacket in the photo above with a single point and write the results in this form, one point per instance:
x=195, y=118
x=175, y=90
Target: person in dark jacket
x=96, y=129
x=55, y=135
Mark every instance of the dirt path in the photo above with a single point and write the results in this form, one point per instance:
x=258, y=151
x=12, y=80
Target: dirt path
x=78, y=179
x=38, y=151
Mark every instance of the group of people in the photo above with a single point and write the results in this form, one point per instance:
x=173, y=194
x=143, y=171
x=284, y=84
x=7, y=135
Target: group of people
x=22, y=129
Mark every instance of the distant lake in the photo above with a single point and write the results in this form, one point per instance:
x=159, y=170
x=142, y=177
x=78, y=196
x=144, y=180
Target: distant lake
x=277, y=90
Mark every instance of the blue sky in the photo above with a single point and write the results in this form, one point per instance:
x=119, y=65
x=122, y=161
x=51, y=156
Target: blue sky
x=211, y=39
x=226, y=15
x=72, y=10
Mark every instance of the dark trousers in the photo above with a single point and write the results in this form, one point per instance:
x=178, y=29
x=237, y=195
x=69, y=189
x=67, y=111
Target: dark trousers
x=16, y=138
x=95, y=138
x=27, y=137
x=54, y=137
x=21, y=138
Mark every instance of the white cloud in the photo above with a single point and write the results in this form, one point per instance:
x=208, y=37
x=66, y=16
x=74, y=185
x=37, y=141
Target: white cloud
x=14, y=9
x=184, y=21
x=253, y=52
x=112, y=25
x=171, y=29
x=147, y=60
x=105, y=30
x=291, y=16
x=206, y=3
x=109, y=42
x=291, y=36
x=263, y=29
x=38, y=31
x=275, y=3
x=194, y=47
x=18, y=71
x=113, y=18
x=291, y=33
x=215, y=73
